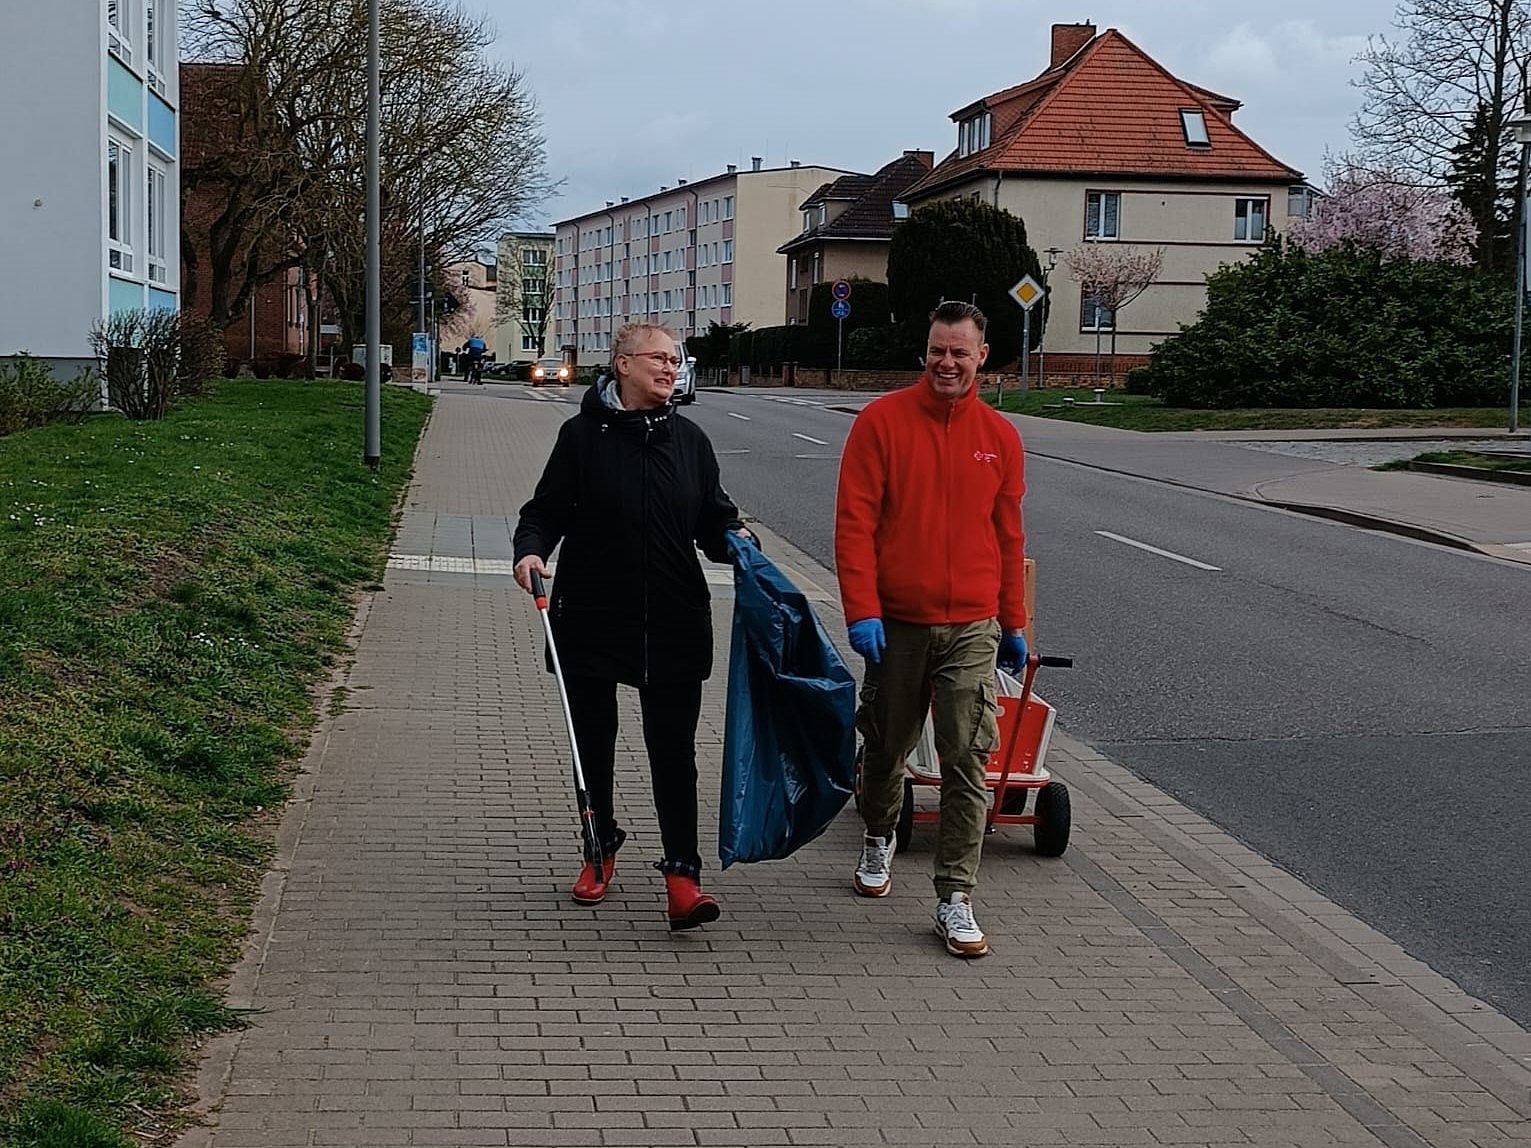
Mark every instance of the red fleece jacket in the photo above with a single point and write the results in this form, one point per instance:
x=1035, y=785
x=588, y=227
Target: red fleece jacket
x=928, y=516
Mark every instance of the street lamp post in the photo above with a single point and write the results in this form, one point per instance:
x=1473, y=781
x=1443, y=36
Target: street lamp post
x=1052, y=254
x=1522, y=129
x=373, y=452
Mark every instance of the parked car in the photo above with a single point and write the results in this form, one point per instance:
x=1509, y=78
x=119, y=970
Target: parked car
x=685, y=377
x=553, y=372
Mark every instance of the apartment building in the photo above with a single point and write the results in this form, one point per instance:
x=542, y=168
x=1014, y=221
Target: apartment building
x=90, y=220
x=523, y=330
x=686, y=256
x=474, y=285
x=1106, y=146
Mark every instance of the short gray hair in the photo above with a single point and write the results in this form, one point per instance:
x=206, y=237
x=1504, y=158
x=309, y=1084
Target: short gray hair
x=630, y=333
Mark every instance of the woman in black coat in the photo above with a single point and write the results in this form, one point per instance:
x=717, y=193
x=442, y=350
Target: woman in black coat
x=631, y=490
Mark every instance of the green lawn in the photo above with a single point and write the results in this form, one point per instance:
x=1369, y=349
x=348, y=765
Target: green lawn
x=1138, y=412
x=170, y=595
x=1471, y=458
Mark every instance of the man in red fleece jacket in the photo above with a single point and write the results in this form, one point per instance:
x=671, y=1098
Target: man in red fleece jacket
x=930, y=556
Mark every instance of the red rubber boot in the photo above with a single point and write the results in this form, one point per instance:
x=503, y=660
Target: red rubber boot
x=590, y=885
x=689, y=906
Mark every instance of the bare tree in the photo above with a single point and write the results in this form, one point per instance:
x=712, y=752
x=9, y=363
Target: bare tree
x=1112, y=276
x=1454, y=62
x=462, y=149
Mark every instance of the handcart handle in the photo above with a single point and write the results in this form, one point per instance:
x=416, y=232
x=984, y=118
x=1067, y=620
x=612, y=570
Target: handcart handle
x=1058, y=661
x=539, y=589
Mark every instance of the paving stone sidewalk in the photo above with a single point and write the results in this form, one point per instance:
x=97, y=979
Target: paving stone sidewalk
x=421, y=977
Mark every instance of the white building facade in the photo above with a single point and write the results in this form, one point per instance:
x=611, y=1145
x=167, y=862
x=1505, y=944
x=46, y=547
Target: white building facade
x=90, y=214
x=686, y=256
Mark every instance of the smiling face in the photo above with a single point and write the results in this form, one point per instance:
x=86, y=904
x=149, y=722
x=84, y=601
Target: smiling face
x=953, y=355
x=645, y=365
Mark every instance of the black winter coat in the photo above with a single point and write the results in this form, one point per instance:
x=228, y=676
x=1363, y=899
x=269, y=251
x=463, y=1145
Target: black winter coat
x=631, y=495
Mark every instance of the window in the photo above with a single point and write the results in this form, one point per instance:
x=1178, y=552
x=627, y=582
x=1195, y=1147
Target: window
x=1102, y=214
x=467, y=277
x=529, y=342
x=1096, y=316
x=669, y=221
x=151, y=42
x=973, y=133
x=728, y=207
x=119, y=206
x=728, y=294
x=807, y=221
x=156, y=239
x=680, y=218
x=900, y=210
x=1299, y=202
x=728, y=251
x=118, y=35
x=1194, y=124
x=669, y=261
x=815, y=278
x=1249, y=220
x=792, y=274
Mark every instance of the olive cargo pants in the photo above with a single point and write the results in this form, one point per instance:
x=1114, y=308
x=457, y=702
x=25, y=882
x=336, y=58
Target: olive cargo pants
x=948, y=671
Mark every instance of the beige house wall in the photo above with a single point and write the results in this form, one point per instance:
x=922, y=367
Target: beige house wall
x=840, y=259
x=1192, y=222
x=768, y=216
x=510, y=326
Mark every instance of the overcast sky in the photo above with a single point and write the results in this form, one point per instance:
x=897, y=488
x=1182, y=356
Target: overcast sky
x=638, y=93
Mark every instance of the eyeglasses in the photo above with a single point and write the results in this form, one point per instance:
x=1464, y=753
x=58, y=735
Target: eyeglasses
x=659, y=357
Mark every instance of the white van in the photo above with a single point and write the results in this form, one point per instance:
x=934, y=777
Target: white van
x=685, y=376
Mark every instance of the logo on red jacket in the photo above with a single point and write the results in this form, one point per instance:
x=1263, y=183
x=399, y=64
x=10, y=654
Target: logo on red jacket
x=984, y=456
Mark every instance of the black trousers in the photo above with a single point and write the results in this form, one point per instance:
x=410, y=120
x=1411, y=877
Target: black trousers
x=670, y=715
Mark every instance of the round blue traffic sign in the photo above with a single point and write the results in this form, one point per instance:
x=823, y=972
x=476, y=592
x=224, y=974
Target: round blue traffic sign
x=839, y=308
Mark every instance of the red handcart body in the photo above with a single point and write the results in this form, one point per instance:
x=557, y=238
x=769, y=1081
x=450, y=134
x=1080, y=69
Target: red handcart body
x=1016, y=767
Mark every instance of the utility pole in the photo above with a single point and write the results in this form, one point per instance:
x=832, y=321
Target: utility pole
x=373, y=452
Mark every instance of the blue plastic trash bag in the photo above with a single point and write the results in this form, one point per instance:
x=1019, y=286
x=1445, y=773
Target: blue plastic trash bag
x=789, y=740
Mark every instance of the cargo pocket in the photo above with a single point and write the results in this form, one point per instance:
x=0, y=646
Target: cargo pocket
x=866, y=715
x=985, y=736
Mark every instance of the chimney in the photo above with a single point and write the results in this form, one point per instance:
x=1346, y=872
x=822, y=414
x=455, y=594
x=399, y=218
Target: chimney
x=680, y=183
x=925, y=158
x=609, y=203
x=733, y=167
x=793, y=163
x=624, y=199
x=664, y=187
x=1068, y=39
x=754, y=163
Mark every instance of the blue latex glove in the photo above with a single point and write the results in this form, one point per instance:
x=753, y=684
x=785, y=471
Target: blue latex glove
x=868, y=639
x=1012, y=652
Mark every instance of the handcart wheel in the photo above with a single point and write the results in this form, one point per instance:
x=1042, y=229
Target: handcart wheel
x=904, y=832
x=1053, y=819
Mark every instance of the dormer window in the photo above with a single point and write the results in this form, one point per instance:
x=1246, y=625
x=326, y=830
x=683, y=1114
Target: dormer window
x=823, y=214
x=900, y=209
x=973, y=133
x=808, y=221
x=1194, y=124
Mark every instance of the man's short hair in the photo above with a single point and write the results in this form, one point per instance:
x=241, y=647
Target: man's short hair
x=955, y=310
x=630, y=333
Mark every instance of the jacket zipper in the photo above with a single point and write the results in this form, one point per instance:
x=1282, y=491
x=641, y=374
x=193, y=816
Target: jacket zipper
x=949, y=477
x=648, y=429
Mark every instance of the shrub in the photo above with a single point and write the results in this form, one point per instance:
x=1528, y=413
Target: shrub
x=152, y=358
x=885, y=348
x=31, y=395
x=1139, y=381
x=1342, y=328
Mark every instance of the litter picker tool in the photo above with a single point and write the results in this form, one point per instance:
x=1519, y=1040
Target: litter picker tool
x=591, y=838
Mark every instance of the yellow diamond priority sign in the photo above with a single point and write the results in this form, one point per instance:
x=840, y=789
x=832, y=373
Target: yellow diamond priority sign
x=1026, y=292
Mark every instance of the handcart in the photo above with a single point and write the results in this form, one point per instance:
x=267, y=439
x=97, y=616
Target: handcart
x=1015, y=768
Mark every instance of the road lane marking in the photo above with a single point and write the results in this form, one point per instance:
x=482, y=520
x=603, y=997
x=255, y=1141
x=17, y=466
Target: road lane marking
x=809, y=438
x=1156, y=550
x=831, y=457
x=733, y=415
x=799, y=402
x=738, y=450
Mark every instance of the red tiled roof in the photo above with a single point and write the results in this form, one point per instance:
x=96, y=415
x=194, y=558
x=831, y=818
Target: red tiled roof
x=1112, y=110
x=870, y=216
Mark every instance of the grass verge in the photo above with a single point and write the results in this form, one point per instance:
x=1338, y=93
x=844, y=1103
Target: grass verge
x=1505, y=461
x=170, y=595
x=1141, y=413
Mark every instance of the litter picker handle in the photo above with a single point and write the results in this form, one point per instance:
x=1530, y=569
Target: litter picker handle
x=1058, y=661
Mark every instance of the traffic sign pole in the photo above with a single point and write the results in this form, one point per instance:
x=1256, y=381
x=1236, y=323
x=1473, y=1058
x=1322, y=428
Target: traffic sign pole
x=839, y=344
x=840, y=309
x=1025, y=350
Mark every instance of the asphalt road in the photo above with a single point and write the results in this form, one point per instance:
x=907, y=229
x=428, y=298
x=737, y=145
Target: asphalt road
x=1355, y=706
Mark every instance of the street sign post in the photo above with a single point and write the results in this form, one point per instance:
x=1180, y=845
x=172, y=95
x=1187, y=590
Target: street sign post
x=1026, y=293
x=840, y=309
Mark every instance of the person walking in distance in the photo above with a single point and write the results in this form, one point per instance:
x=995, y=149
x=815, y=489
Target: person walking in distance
x=929, y=553
x=631, y=490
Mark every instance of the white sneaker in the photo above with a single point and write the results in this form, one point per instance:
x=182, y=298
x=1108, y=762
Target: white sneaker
x=956, y=926
x=874, y=875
